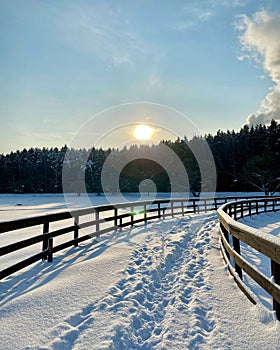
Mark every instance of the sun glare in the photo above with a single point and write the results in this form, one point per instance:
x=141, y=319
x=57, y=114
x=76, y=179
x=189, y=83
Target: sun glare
x=143, y=132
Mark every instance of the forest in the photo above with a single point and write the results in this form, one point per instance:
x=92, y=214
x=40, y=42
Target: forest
x=248, y=160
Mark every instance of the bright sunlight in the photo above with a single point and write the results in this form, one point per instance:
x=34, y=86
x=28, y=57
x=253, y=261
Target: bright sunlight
x=143, y=132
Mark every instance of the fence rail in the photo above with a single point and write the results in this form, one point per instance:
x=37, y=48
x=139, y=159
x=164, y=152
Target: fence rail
x=99, y=220
x=87, y=223
x=232, y=232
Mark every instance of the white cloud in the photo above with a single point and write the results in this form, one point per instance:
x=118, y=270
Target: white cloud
x=104, y=31
x=199, y=13
x=155, y=81
x=196, y=12
x=121, y=59
x=229, y=3
x=260, y=39
x=192, y=15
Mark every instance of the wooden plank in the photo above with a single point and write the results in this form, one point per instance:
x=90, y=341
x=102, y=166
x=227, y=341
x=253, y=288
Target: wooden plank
x=236, y=247
x=159, y=209
x=215, y=204
x=116, y=216
x=145, y=213
x=194, y=206
x=62, y=231
x=38, y=220
x=152, y=210
x=50, y=249
x=239, y=282
x=268, y=248
x=131, y=216
x=275, y=272
x=22, y=264
x=259, y=277
x=36, y=239
x=28, y=222
x=83, y=238
x=76, y=230
x=138, y=220
x=97, y=221
x=22, y=244
x=46, y=227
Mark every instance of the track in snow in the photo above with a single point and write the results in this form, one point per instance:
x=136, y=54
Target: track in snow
x=163, y=290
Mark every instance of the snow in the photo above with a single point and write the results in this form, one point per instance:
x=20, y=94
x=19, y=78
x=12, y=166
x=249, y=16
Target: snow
x=16, y=206
x=159, y=286
x=268, y=226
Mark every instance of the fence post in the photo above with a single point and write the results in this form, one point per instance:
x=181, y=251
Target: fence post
x=182, y=206
x=46, y=227
x=205, y=206
x=241, y=210
x=132, y=216
x=250, y=208
x=265, y=205
x=76, y=230
x=215, y=203
x=257, y=207
x=121, y=224
x=50, y=249
x=159, y=210
x=236, y=246
x=97, y=221
x=116, y=219
x=275, y=271
x=194, y=208
x=145, y=213
x=226, y=237
x=172, y=209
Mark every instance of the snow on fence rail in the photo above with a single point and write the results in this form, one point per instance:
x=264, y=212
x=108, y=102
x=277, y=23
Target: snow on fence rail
x=232, y=232
x=99, y=220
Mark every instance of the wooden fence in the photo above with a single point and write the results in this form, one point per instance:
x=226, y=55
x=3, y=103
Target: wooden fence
x=98, y=220
x=232, y=232
x=106, y=218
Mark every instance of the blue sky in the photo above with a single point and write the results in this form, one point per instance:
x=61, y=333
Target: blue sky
x=64, y=61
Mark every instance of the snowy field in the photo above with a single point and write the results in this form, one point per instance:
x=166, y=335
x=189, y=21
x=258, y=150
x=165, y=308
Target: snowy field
x=15, y=206
x=159, y=286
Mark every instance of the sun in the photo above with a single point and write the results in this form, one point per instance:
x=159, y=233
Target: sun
x=143, y=132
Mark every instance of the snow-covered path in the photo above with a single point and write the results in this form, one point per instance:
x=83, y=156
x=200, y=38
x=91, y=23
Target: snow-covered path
x=160, y=286
x=160, y=293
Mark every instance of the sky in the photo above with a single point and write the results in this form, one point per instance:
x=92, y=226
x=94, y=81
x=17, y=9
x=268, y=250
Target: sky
x=63, y=62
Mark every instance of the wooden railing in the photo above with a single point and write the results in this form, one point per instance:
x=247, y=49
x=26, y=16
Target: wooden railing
x=232, y=232
x=98, y=220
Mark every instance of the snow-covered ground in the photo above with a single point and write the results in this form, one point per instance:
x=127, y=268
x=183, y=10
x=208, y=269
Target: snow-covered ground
x=15, y=206
x=159, y=286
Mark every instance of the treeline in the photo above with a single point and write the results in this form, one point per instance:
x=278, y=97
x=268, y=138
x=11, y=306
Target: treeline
x=248, y=160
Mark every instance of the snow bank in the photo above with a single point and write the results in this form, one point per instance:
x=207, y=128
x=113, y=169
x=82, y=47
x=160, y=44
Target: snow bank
x=159, y=286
